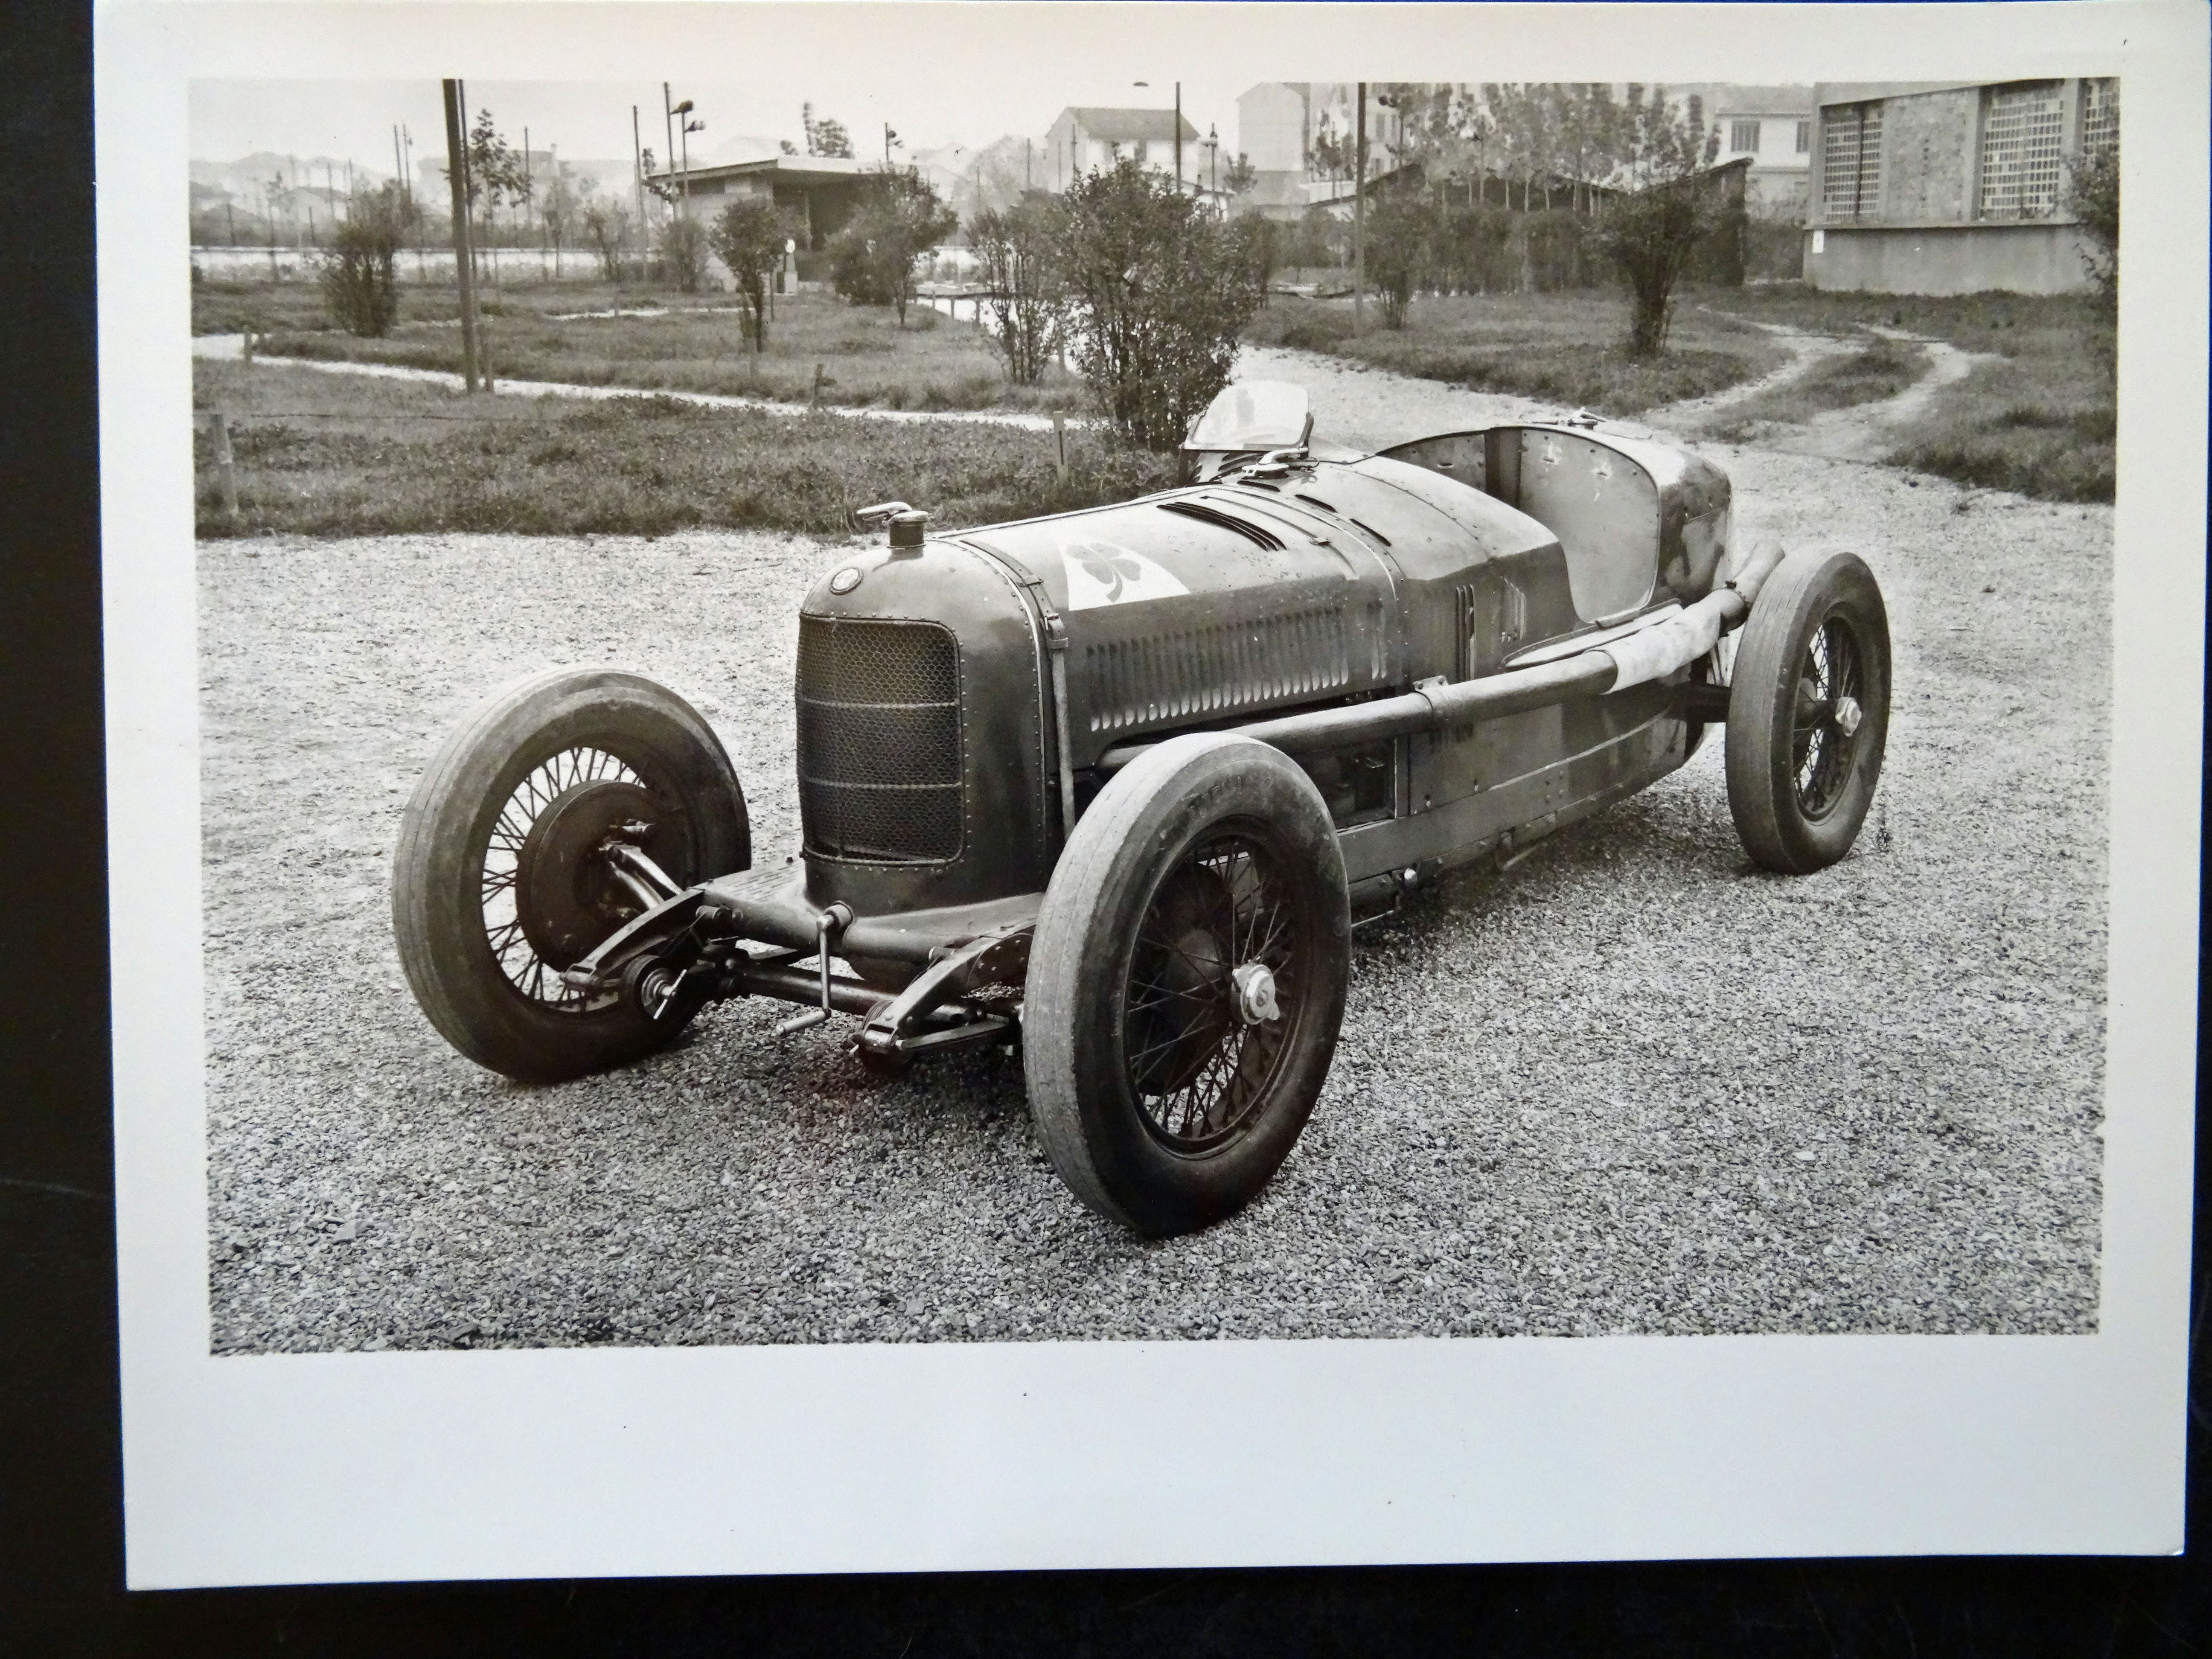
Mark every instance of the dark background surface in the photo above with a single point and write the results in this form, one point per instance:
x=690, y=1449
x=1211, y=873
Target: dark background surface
x=61, y=1523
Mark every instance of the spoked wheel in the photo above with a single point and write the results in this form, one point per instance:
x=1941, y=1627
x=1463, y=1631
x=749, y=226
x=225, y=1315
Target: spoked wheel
x=1809, y=712
x=535, y=834
x=1186, y=983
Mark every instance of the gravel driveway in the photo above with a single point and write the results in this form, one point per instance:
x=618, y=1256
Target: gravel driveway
x=1629, y=1085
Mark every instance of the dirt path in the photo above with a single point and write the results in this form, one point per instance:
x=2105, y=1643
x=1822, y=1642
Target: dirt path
x=1805, y=351
x=1867, y=432
x=231, y=348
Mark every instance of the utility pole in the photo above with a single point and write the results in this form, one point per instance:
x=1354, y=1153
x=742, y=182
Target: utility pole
x=889, y=138
x=529, y=195
x=398, y=166
x=457, y=164
x=637, y=177
x=1359, y=210
x=1178, y=137
x=668, y=120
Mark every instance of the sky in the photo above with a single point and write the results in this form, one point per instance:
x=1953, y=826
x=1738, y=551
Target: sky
x=585, y=120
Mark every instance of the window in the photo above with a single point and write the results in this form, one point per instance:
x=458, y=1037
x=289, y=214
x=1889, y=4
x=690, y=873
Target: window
x=1804, y=138
x=1143, y=150
x=1850, y=161
x=2022, y=127
x=2100, y=115
x=1743, y=136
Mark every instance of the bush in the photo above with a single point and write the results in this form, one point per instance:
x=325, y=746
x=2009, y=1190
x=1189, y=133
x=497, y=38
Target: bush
x=684, y=252
x=750, y=235
x=360, y=282
x=899, y=219
x=1399, y=228
x=1470, y=249
x=1650, y=234
x=2096, y=200
x=1016, y=248
x=1160, y=288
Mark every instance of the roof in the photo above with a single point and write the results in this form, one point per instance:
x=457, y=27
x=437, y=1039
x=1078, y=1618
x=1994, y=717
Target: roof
x=1129, y=126
x=784, y=169
x=1726, y=100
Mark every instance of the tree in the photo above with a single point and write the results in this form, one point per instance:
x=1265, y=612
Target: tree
x=1651, y=233
x=1240, y=175
x=1160, y=288
x=684, y=252
x=1016, y=247
x=750, y=235
x=606, y=226
x=565, y=197
x=360, y=281
x=1399, y=228
x=899, y=219
x=825, y=136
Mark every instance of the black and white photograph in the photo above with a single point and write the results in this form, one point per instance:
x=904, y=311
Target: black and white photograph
x=1427, y=709
x=845, y=708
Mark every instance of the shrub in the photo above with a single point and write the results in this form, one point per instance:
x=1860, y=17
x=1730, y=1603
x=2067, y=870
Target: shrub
x=606, y=226
x=360, y=284
x=899, y=219
x=2095, y=178
x=1160, y=288
x=1650, y=234
x=1399, y=229
x=684, y=252
x=1027, y=296
x=750, y=235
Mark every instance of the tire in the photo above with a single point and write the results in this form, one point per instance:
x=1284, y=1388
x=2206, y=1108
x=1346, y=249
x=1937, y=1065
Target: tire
x=494, y=888
x=1164, y=1096
x=1809, y=712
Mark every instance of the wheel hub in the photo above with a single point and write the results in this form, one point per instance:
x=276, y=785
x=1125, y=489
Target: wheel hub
x=566, y=897
x=1848, y=716
x=1255, y=993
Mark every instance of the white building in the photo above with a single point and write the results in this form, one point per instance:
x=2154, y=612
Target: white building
x=1086, y=139
x=1773, y=127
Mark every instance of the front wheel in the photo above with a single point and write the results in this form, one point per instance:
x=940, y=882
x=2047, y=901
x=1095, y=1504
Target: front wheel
x=501, y=877
x=1809, y=712
x=1186, y=983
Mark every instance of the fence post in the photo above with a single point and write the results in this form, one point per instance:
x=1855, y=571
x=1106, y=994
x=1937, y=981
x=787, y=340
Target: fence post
x=225, y=473
x=246, y=345
x=814, y=398
x=1059, y=443
x=483, y=363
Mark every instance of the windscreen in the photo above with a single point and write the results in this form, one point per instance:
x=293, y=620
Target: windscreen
x=1252, y=415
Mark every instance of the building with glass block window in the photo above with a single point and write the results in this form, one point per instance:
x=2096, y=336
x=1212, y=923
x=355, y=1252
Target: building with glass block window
x=1952, y=187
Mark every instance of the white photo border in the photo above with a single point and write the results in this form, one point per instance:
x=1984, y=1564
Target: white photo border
x=594, y=1462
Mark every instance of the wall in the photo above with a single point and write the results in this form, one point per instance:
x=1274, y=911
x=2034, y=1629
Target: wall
x=2037, y=258
x=1928, y=154
x=1271, y=128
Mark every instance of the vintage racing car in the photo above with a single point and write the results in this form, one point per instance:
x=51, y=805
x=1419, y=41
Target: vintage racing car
x=1114, y=784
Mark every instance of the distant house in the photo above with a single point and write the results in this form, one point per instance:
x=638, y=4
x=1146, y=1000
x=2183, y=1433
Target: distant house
x=1772, y=128
x=1952, y=187
x=1278, y=123
x=818, y=191
x=1084, y=140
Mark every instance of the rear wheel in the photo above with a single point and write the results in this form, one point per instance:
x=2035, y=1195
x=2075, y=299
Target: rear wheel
x=1809, y=712
x=501, y=879
x=1186, y=983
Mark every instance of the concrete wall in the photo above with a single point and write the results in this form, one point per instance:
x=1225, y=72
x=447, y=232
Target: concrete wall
x=2042, y=256
x=1928, y=154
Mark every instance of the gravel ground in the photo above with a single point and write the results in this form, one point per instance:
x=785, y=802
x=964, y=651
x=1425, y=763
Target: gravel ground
x=1629, y=1085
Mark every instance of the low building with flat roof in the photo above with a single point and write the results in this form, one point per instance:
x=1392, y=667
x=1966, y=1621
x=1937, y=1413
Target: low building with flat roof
x=817, y=191
x=1953, y=187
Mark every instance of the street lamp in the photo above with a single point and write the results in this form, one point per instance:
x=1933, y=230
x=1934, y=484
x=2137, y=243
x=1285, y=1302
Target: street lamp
x=668, y=113
x=1178, y=130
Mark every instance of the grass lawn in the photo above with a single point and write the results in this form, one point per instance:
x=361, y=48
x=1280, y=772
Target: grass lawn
x=1563, y=347
x=869, y=360
x=224, y=306
x=2038, y=421
x=329, y=455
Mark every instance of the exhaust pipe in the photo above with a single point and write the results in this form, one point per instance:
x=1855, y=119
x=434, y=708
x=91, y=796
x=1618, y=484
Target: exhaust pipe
x=1649, y=654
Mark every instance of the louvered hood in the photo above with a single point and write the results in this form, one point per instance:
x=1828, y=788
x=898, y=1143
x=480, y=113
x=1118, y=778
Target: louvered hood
x=1215, y=602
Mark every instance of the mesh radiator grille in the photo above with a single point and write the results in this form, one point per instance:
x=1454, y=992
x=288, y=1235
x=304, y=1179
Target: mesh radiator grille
x=879, y=741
